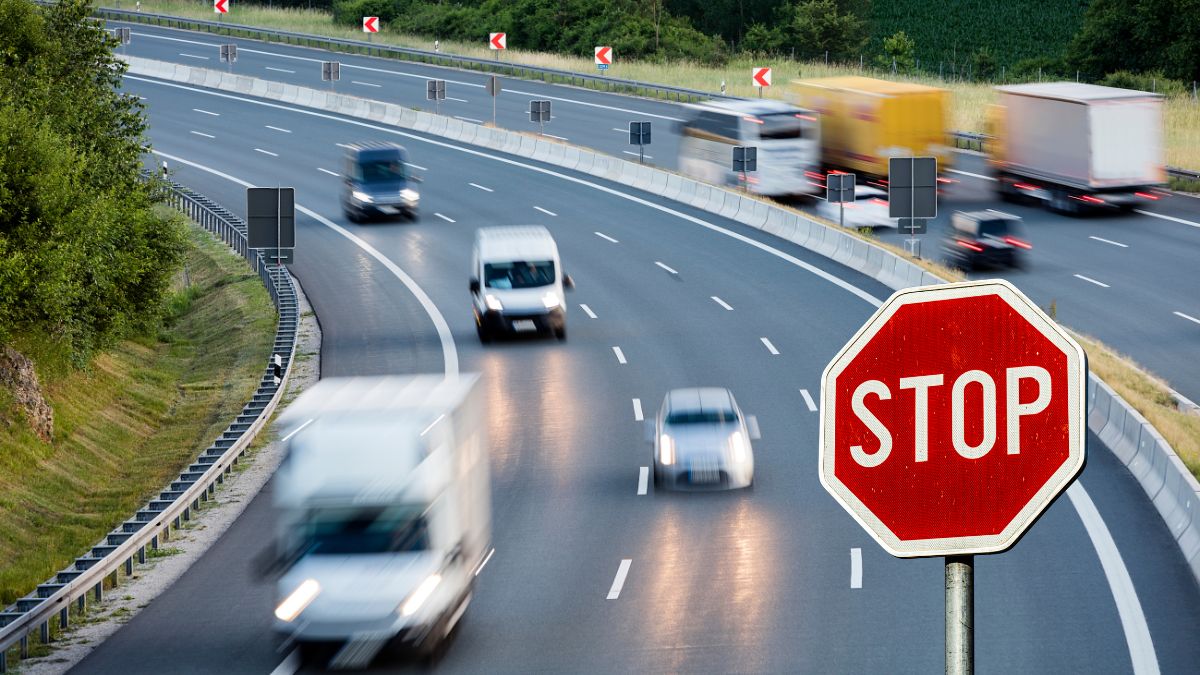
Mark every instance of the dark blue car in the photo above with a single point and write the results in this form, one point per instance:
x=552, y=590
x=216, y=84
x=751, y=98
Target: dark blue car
x=377, y=183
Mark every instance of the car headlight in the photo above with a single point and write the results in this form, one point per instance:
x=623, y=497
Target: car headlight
x=361, y=197
x=300, y=598
x=409, y=195
x=551, y=300
x=493, y=303
x=419, y=596
x=737, y=442
x=666, y=450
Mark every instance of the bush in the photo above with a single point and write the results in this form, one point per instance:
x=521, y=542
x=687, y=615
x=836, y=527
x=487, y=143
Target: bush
x=1153, y=81
x=1033, y=70
x=761, y=41
x=898, y=51
x=983, y=64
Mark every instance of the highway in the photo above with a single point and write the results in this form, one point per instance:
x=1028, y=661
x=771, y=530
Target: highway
x=1127, y=280
x=757, y=581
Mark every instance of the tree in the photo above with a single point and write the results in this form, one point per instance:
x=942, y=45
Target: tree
x=819, y=27
x=761, y=41
x=1139, y=35
x=898, y=53
x=983, y=64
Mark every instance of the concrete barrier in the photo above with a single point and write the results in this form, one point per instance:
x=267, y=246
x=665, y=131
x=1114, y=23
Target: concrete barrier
x=673, y=187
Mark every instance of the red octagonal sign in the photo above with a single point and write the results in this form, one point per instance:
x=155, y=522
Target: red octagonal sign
x=953, y=418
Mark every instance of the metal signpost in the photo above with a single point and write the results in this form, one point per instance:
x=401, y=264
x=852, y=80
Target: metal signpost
x=943, y=439
x=493, y=89
x=271, y=222
x=912, y=195
x=745, y=160
x=639, y=135
x=229, y=55
x=435, y=90
x=839, y=189
x=331, y=71
x=539, y=111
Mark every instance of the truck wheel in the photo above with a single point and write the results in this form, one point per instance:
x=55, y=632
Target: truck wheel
x=485, y=335
x=561, y=333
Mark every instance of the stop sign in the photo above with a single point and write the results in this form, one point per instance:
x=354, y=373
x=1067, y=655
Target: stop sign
x=953, y=418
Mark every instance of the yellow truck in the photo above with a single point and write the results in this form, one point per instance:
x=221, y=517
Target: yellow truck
x=865, y=121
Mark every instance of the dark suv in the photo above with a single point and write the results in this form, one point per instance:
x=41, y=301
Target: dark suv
x=377, y=183
x=985, y=239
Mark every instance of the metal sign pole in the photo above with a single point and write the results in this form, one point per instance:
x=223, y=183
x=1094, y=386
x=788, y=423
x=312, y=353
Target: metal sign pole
x=641, y=154
x=960, y=615
x=278, y=224
x=494, y=96
x=841, y=214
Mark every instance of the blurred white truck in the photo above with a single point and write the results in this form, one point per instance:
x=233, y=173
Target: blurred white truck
x=1077, y=147
x=384, y=514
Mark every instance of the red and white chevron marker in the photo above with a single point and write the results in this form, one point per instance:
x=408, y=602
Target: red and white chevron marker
x=604, y=56
x=762, y=77
x=498, y=40
x=370, y=24
x=221, y=6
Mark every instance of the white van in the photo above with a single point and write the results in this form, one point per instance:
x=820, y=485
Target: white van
x=517, y=282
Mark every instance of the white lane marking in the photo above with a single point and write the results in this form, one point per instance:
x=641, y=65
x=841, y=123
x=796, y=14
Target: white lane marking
x=449, y=350
x=207, y=112
x=636, y=154
x=637, y=410
x=808, y=400
x=1185, y=316
x=549, y=213
x=553, y=136
x=281, y=70
x=1133, y=619
x=605, y=236
x=445, y=218
x=286, y=131
x=343, y=145
x=1166, y=217
x=856, y=568
x=477, y=185
x=295, y=431
x=972, y=175
x=331, y=173
x=722, y=303
x=643, y=479
x=485, y=562
x=1109, y=241
x=194, y=56
x=619, y=581
x=770, y=347
x=468, y=119
x=367, y=84
x=620, y=354
x=1092, y=281
x=588, y=310
x=416, y=166
x=672, y=271
x=266, y=152
x=289, y=665
x=620, y=130
x=460, y=100
x=198, y=133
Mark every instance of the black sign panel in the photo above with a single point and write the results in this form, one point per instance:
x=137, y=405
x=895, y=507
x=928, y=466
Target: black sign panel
x=271, y=217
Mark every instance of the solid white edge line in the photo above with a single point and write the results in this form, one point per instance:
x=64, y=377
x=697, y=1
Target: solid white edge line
x=289, y=665
x=266, y=152
x=1166, y=217
x=588, y=310
x=606, y=237
x=448, y=219
x=672, y=271
x=770, y=347
x=1133, y=619
x=449, y=350
x=1092, y=281
x=620, y=355
x=972, y=175
x=481, y=187
x=281, y=70
x=485, y=562
x=619, y=581
x=1185, y=316
x=199, y=133
x=1108, y=241
x=295, y=431
x=722, y=303
x=808, y=400
x=637, y=410
x=856, y=568
x=331, y=173
x=286, y=131
x=545, y=211
x=643, y=479
x=206, y=112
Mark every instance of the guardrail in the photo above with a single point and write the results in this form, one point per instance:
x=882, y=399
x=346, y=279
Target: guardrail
x=53, y=599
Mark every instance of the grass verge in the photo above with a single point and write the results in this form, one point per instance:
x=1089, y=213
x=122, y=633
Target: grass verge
x=128, y=424
x=970, y=98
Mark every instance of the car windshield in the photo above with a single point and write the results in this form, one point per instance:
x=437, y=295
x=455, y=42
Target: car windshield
x=710, y=416
x=366, y=530
x=382, y=171
x=995, y=228
x=519, y=274
x=780, y=126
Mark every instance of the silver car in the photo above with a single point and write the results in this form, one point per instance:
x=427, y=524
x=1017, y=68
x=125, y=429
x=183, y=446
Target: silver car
x=702, y=440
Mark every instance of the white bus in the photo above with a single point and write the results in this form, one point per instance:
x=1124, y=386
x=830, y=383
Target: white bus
x=788, y=141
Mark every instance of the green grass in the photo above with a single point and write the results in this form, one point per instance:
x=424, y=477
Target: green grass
x=127, y=425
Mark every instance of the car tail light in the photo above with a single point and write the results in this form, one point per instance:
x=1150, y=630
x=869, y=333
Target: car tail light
x=1089, y=199
x=968, y=245
x=946, y=181
x=1025, y=186
x=877, y=200
x=1013, y=241
x=1147, y=195
x=810, y=118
